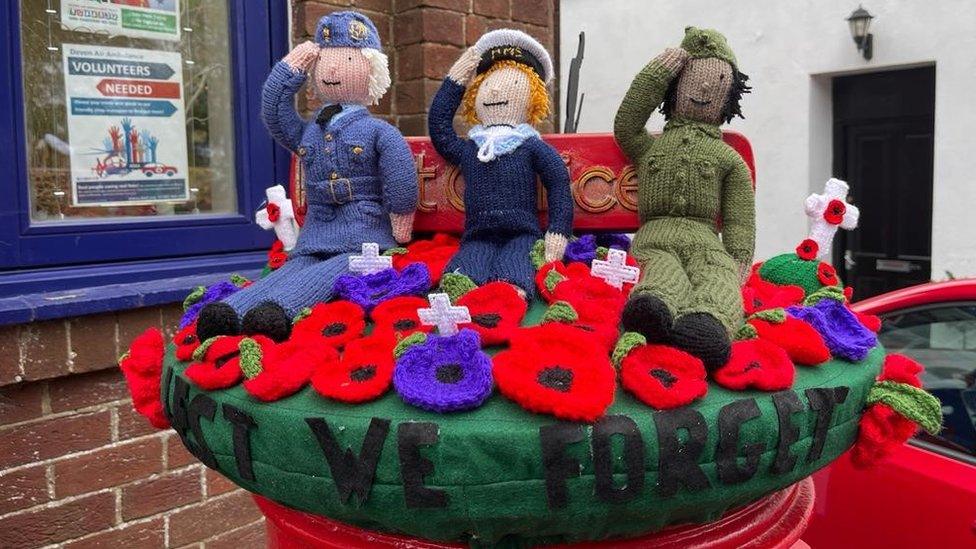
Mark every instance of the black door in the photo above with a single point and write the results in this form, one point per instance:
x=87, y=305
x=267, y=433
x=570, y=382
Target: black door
x=883, y=125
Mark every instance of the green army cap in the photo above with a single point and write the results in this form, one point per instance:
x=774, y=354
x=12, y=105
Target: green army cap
x=705, y=43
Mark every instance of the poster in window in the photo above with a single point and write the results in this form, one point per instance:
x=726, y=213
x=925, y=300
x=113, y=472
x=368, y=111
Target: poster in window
x=157, y=19
x=126, y=125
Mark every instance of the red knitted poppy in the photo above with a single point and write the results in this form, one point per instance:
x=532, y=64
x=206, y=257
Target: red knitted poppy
x=759, y=295
x=554, y=374
x=435, y=253
x=362, y=374
x=807, y=249
x=220, y=365
x=827, y=275
x=398, y=316
x=588, y=291
x=881, y=431
x=288, y=366
x=756, y=364
x=338, y=322
x=663, y=377
x=834, y=213
x=546, y=283
x=496, y=311
x=901, y=369
x=186, y=342
x=871, y=322
x=801, y=341
x=277, y=255
x=143, y=368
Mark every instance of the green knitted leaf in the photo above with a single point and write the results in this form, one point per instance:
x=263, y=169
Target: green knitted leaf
x=553, y=278
x=456, y=285
x=124, y=356
x=194, y=296
x=396, y=251
x=627, y=341
x=202, y=349
x=560, y=311
x=827, y=292
x=265, y=271
x=415, y=338
x=911, y=402
x=538, y=254
x=302, y=315
x=774, y=316
x=251, y=356
x=746, y=331
x=601, y=252
x=238, y=280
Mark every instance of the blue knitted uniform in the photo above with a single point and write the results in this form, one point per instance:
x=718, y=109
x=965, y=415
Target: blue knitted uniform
x=358, y=170
x=501, y=217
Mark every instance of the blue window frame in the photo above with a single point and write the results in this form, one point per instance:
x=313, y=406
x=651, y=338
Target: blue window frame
x=67, y=255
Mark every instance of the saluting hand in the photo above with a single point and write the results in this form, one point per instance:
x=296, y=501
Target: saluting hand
x=673, y=59
x=464, y=68
x=303, y=57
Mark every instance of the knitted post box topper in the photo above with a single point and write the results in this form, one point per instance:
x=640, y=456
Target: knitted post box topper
x=361, y=185
x=500, y=83
x=689, y=181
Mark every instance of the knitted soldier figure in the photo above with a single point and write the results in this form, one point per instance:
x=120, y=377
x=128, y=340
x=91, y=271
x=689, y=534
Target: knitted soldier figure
x=690, y=185
x=501, y=83
x=361, y=184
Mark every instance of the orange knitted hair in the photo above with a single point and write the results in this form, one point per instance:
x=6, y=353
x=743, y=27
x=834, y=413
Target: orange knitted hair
x=538, y=96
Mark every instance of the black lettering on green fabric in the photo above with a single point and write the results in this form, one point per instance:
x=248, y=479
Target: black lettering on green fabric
x=557, y=466
x=201, y=406
x=633, y=460
x=730, y=420
x=678, y=461
x=787, y=404
x=414, y=467
x=352, y=474
x=243, y=423
x=823, y=401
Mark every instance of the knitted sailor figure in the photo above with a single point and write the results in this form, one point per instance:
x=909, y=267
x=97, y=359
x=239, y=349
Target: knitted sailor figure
x=691, y=186
x=361, y=184
x=500, y=85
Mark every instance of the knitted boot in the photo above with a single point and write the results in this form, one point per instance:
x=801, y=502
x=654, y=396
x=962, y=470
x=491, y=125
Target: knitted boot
x=267, y=319
x=702, y=335
x=216, y=319
x=649, y=316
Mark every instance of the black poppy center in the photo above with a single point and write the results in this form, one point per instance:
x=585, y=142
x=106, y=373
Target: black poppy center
x=362, y=373
x=334, y=329
x=222, y=360
x=665, y=377
x=405, y=324
x=378, y=294
x=488, y=320
x=556, y=378
x=189, y=339
x=752, y=366
x=449, y=373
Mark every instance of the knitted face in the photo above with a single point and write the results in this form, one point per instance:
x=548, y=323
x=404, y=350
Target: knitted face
x=509, y=93
x=702, y=90
x=342, y=76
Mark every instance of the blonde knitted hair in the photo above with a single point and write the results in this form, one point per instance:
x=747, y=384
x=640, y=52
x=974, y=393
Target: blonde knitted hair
x=538, y=100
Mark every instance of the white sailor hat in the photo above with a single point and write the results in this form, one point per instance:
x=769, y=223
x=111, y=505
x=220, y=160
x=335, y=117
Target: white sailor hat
x=514, y=45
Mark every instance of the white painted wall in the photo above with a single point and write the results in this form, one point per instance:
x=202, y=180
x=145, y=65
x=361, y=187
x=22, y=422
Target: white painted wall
x=790, y=49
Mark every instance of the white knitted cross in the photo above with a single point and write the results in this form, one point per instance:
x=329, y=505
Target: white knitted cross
x=615, y=270
x=829, y=211
x=371, y=261
x=443, y=315
x=285, y=227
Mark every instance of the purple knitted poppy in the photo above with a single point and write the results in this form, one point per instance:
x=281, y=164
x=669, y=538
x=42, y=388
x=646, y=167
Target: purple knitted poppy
x=619, y=241
x=215, y=292
x=445, y=373
x=583, y=249
x=369, y=290
x=844, y=335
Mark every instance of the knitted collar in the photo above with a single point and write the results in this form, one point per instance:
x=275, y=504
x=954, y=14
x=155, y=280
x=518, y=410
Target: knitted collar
x=349, y=112
x=710, y=130
x=495, y=141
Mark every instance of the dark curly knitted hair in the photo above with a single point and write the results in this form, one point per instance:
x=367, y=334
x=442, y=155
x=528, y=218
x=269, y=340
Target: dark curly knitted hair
x=731, y=108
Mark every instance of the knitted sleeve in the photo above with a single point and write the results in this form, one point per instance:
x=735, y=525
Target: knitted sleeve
x=278, y=105
x=397, y=170
x=555, y=178
x=440, y=121
x=645, y=94
x=739, y=213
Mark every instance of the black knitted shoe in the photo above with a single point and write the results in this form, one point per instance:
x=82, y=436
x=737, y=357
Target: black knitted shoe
x=268, y=319
x=216, y=319
x=648, y=316
x=703, y=336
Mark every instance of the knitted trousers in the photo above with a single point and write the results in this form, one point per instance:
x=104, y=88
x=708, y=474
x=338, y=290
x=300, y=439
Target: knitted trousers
x=485, y=259
x=302, y=281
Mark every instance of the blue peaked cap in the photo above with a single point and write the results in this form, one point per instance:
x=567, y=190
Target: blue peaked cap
x=346, y=29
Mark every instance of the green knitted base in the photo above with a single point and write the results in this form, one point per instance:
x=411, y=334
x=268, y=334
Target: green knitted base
x=789, y=269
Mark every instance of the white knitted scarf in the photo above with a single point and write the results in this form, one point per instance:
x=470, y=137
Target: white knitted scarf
x=495, y=141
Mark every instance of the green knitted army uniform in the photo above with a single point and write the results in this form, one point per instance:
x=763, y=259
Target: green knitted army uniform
x=689, y=184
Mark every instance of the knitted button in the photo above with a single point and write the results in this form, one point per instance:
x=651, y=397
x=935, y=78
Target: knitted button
x=334, y=175
x=686, y=139
x=302, y=151
x=357, y=150
x=328, y=137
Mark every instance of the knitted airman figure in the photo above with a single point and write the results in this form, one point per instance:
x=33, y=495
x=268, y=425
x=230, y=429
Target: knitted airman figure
x=692, y=187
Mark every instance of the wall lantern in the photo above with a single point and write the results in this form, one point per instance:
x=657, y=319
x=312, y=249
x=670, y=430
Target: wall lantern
x=859, y=21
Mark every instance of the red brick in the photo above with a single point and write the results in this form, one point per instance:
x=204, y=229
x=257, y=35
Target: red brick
x=426, y=60
x=21, y=402
x=455, y=5
x=218, y=484
x=83, y=390
x=498, y=9
x=135, y=321
x=307, y=15
x=385, y=6
x=161, y=493
x=22, y=489
x=9, y=354
x=131, y=423
x=212, y=517
x=414, y=124
x=142, y=535
x=414, y=97
x=93, y=342
x=44, y=349
x=252, y=535
x=477, y=26
x=60, y=522
x=542, y=34
x=176, y=454
x=430, y=25
x=532, y=11
x=50, y=438
x=171, y=315
x=108, y=467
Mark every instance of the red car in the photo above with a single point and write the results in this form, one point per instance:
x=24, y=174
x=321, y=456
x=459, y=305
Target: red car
x=158, y=169
x=925, y=494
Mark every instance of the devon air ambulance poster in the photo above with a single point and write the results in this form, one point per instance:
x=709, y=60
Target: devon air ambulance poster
x=126, y=125
x=156, y=19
